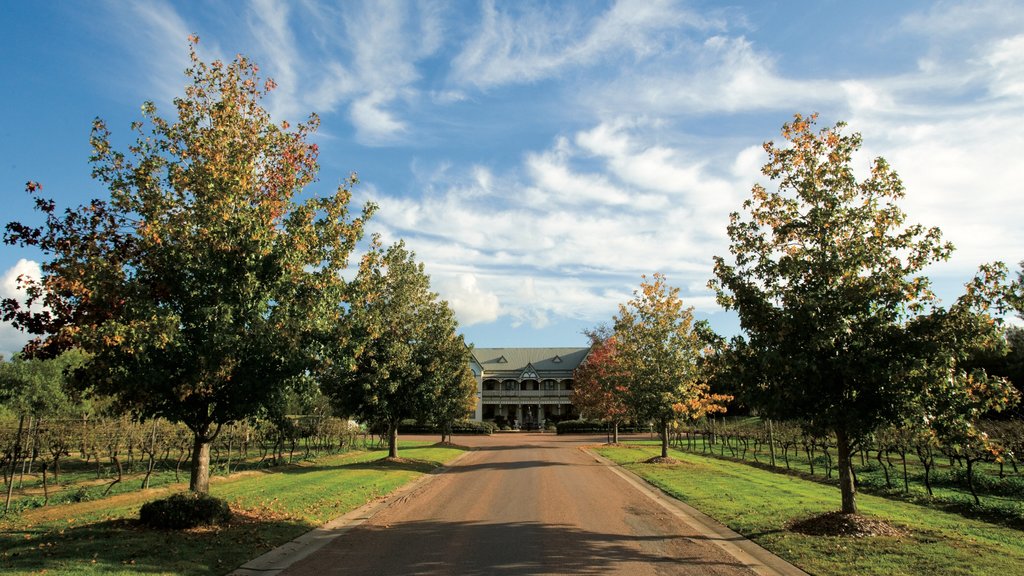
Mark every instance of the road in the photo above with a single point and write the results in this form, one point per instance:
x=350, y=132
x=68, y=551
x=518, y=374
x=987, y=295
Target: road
x=523, y=504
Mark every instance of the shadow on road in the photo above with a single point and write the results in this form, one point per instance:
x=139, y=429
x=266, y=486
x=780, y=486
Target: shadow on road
x=505, y=549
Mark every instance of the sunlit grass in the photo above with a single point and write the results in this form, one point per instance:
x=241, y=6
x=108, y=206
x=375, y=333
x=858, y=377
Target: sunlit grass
x=272, y=507
x=759, y=503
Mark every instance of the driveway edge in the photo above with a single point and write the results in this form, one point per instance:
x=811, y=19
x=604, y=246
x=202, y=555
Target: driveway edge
x=277, y=560
x=747, y=552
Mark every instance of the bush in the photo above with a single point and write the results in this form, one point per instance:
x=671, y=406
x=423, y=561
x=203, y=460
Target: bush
x=185, y=510
x=81, y=495
x=472, y=427
x=580, y=426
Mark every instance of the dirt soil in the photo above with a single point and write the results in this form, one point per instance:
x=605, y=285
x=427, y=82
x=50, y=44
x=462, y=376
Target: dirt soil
x=839, y=524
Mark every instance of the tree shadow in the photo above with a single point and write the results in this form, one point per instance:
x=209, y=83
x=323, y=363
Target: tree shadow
x=380, y=464
x=512, y=548
x=514, y=465
x=126, y=546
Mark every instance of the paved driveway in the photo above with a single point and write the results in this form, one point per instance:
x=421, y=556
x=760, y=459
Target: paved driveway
x=526, y=504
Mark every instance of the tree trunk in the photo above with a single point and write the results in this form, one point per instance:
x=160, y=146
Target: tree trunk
x=199, y=481
x=393, y=440
x=14, y=462
x=664, y=437
x=846, y=484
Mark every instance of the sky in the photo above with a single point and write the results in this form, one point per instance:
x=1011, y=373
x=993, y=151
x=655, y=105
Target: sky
x=540, y=157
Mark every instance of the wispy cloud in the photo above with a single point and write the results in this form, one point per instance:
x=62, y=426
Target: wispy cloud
x=547, y=239
x=514, y=46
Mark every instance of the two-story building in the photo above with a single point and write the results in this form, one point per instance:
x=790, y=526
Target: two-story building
x=525, y=386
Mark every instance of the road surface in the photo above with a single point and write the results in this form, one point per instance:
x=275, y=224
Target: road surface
x=523, y=504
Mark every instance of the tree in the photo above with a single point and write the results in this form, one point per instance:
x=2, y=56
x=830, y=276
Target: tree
x=398, y=352
x=36, y=387
x=199, y=286
x=659, y=347
x=599, y=385
x=826, y=274
x=956, y=392
x=454, y=399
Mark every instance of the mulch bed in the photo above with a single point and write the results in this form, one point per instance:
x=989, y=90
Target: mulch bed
x=661, y=460
x=839, y=524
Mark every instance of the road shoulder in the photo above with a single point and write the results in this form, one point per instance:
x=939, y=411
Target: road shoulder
x=279, y=559
x=747, y=552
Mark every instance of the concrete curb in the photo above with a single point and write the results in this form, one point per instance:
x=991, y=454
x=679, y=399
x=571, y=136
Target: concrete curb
x=754, y=557
x=282, y=557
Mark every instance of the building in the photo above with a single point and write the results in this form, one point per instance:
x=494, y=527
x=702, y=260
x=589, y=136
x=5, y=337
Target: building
x=525, y=387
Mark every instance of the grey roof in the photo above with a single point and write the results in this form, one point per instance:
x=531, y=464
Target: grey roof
x=546, y=361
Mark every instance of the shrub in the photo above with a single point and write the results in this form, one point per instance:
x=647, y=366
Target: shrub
x=185, y=510
x=580, y=426
x=82, y=494
x=472, y=427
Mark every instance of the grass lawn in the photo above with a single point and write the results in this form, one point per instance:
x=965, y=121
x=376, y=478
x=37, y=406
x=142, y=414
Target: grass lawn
x=758, y=504
x=272, y=507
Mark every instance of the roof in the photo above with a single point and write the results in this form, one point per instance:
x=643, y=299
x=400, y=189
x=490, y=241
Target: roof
x=514, y=361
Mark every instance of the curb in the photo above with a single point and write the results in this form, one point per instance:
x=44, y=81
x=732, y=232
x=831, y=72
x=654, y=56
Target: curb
x=751, y=555
x=277, y=560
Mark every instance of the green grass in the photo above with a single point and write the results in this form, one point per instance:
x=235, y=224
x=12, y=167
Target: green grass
x=1001, y=498
x=103, y=537
x=759, y=503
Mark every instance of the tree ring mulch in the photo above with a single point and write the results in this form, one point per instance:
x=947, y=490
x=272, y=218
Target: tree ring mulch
x=839, y=524
x=661, y=460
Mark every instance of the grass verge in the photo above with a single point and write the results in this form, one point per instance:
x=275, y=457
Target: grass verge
x=273, y=507
x=758, y=504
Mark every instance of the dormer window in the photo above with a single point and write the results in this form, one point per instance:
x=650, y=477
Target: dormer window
x=557, y=359
x=501, y=360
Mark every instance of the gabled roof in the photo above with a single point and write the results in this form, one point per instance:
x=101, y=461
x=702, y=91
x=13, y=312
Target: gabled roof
x=514, y=361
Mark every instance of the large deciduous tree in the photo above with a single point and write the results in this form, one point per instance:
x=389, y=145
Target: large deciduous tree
x=399, y=351
x=599, y=384
x=197, y=288
x=825, y=275
x=659, y=348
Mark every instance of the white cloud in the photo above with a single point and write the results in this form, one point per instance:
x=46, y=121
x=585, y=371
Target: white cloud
x=724, y=74
x=602, y=206
x=374, y=124
x=472, y=305
x=516, y=47
x=155, y=36
x=11, y=339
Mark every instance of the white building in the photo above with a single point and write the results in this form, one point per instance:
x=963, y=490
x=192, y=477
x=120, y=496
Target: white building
x=525, y=386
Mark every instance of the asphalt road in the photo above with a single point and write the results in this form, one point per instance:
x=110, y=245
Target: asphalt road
x=523, y=504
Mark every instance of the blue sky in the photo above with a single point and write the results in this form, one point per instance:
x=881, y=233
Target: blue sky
x=540, y=157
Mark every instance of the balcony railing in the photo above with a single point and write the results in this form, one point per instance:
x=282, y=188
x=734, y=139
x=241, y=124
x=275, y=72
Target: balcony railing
x=527, y=393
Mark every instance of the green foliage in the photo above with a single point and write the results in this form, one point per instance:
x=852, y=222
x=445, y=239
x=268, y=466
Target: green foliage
x=185, y=510
x=824, y=275
x=826, y=279
x=659, y=357
x=580, y=426
x=37, y=386
x=396, y=353
x=203, y=275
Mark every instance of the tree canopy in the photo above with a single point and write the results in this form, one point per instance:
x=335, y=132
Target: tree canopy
x=198, y=287
x=659, y=349
x=599, y=386
x=398, y=352
x=826, y=276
